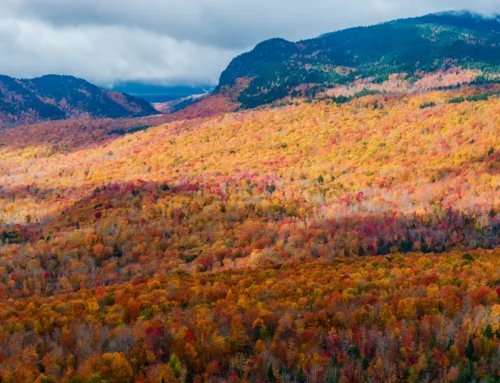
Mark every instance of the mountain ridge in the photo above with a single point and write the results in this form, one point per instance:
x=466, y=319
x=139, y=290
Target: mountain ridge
x=412, y=46
x=56, y=97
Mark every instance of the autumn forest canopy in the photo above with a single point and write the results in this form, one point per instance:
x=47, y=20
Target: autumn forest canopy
x=330, y=213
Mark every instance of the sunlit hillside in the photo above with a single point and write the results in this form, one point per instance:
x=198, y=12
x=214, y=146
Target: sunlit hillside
x=193, y=250
x=377, y=175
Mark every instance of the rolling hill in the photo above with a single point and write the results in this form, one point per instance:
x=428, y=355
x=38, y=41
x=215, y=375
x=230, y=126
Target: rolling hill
x=414, y=47
x=54, y=97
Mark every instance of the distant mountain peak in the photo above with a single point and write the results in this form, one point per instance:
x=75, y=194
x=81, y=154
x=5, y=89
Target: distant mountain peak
x=155, y=92
x=55, y=97
x=275, y=42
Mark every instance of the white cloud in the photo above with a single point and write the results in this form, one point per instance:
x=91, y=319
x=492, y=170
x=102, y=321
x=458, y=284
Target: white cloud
x=105, y=54
x=175, y=41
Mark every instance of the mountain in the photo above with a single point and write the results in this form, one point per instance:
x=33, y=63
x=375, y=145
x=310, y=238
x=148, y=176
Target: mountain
x=437, y=42
x=349, y=232
x=54, y=97
x=160, y=93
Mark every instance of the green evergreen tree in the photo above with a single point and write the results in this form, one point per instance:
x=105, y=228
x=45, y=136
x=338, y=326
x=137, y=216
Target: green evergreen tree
x=488, y=332
x=469, y=350
x=270, y=374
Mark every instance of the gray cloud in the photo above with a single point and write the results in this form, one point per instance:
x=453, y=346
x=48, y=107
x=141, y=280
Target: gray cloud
x=175, y=41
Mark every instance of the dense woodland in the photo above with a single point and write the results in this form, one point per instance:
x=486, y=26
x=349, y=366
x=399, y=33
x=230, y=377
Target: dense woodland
x=318, y=241
x=411, y=318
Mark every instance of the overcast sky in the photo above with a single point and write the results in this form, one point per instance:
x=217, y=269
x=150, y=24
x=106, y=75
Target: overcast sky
x=175, y=41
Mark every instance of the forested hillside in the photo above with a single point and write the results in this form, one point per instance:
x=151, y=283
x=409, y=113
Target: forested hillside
x=412, y=48
x=55, y=97
x=335, y=240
